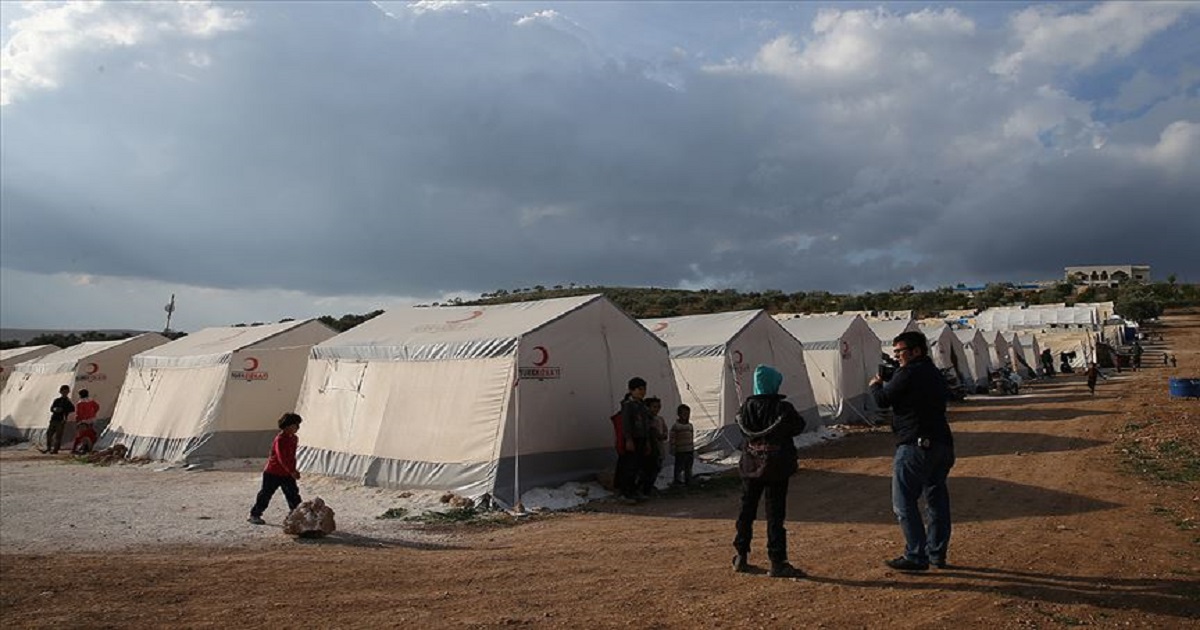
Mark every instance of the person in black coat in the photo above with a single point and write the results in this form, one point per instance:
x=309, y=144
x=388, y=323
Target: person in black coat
x=768, y=423
x=924, y=451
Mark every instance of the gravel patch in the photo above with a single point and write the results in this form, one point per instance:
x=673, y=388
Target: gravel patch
x=50, y=504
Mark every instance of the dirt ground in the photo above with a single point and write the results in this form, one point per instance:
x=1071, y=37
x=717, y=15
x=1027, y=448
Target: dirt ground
x=1069, y=510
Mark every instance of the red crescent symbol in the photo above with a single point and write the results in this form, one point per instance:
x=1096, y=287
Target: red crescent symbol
x=251, y=364
x=473, y=315
x=659, y=327
x=92, y=368
x=737, y=354
x=545, y=355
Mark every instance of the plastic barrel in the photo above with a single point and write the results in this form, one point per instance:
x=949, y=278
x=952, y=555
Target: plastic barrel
x=1185, y=387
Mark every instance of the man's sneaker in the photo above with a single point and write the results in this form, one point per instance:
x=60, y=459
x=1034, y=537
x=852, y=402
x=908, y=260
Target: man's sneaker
x=740, y=563
x=938, y=562
x=904, y=564
x=257, y=520
x=784, y=570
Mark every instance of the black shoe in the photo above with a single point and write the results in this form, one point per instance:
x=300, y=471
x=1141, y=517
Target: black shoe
x=784, y=570
x=740, y=563
x=904, y=564
x=257, y=520
x=939, y=563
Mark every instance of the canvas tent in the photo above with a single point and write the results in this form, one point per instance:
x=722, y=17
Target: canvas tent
x=887, y=330
x=1019, y=355
x=714, y=357
x=841, y=354
x=1000, y=347
x=1031, y=350
x=97, y=366
x=492, y=399
x=947, y=351
x=214, y=394
x=979, y=356
x=9, y=358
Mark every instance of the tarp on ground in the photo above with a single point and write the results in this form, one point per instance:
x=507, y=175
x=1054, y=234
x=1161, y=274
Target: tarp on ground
x=97, y=366
x=714, y=356
x=841, y=354
x=215, y=394
x=493, y=399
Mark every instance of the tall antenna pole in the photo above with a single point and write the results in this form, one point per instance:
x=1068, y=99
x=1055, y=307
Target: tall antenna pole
x=170, y=309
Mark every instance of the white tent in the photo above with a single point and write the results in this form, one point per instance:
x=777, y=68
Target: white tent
x=216, y=393
x=947, y=351
x=714, y=357
x=841, y=354
x=97, y=366
x=979, y=355
x=1019, y=355
x=887, y=330
x=10, y=357
x=477, y=399
x=1031, y=350
x=1000, y=348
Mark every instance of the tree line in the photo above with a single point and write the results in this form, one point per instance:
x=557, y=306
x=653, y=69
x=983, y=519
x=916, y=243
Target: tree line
x=1135, y=301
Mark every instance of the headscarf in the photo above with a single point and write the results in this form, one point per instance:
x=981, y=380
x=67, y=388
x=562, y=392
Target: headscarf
x=766, y=380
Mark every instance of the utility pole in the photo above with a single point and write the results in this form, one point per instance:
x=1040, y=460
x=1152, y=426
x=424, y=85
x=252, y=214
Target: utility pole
x=170, y=309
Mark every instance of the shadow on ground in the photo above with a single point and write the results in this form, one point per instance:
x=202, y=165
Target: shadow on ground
x=1175, y=598
x=820, y=496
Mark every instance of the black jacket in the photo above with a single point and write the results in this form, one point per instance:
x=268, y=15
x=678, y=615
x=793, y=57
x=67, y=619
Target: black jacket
x=917, y=395
x=756, y=418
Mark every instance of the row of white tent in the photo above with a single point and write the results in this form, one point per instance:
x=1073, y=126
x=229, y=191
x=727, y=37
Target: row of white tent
x=478, y=399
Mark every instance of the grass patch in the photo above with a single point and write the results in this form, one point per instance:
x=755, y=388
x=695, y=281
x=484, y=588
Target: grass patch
x=1169, y=461
x=453, y=515
x=396, y=512
x=720, y=485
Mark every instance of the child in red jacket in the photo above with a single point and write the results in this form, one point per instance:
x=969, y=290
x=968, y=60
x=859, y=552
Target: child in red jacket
x=281, y=471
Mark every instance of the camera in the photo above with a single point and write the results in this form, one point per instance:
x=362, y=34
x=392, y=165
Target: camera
x=886, y=371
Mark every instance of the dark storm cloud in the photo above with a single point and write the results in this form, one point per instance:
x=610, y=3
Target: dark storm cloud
x=331, y=149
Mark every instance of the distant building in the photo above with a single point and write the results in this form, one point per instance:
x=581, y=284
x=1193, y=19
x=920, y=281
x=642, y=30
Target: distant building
x=1107, y=275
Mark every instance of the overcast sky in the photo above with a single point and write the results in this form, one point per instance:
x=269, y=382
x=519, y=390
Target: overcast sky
x=265, y=160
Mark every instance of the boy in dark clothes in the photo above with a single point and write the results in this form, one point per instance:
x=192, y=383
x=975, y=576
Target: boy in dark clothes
x=59, y=410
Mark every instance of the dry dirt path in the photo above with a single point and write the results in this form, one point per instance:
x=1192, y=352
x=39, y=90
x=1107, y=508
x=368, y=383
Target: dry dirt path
x=1053, y=527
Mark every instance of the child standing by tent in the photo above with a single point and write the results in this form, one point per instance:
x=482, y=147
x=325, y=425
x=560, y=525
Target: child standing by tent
x=280, y=471
x=59, y=410
x=87, y=409
x=683, y=445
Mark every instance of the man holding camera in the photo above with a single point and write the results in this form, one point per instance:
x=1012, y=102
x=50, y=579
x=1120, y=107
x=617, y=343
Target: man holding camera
x=917, y=394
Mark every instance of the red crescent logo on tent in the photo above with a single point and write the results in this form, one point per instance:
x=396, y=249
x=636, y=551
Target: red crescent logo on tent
x=473, y=315
x=659, y=327
x=92, y=368
x=251, y=364
x=737, y=357
x=545, y=355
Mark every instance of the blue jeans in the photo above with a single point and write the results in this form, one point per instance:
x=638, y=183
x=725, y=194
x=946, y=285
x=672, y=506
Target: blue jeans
x=918, y=472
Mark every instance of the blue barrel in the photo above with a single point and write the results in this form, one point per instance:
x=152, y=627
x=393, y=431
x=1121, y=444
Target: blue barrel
x=1185, y=387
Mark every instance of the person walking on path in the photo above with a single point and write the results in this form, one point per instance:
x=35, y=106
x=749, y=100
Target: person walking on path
x=281, y=471
x=1093, y=372
x=768, y=423
x=924, y=452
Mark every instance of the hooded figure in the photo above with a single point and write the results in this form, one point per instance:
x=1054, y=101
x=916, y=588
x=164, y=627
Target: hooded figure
x=768, y=423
